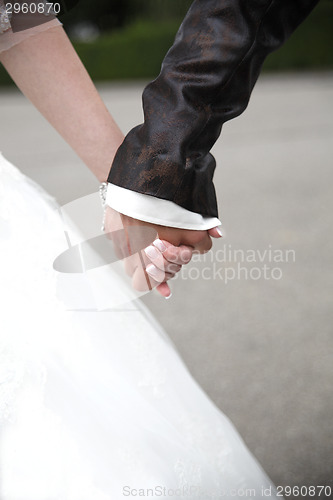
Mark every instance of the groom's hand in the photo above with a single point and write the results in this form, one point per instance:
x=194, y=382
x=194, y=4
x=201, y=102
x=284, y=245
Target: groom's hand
x=153, y=255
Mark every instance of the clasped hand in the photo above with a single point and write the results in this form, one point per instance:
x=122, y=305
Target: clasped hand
x=152, y=253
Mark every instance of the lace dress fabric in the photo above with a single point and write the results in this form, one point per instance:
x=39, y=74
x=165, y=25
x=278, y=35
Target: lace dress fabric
x=93, y=402
x=4, y=18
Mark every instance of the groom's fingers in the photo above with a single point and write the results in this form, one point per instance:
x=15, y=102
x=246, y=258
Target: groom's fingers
x=215, y=232
x=204, y=244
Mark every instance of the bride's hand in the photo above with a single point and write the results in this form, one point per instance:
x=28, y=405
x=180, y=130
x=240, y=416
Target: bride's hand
x=153, y=254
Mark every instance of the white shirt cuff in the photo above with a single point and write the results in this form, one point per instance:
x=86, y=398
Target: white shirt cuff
x=156, y=210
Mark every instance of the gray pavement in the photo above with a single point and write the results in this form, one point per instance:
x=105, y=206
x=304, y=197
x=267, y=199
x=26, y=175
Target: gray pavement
x=259, y=343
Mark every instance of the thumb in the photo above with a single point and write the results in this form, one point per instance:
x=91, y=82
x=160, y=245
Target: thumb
x=215, y=232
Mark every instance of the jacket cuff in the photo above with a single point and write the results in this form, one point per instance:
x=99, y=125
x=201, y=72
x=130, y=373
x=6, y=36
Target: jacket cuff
x=156, y=210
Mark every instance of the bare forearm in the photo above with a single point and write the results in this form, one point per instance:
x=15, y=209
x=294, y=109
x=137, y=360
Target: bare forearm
x=48, y=71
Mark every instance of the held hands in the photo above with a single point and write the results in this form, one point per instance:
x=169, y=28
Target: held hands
x=153, y=254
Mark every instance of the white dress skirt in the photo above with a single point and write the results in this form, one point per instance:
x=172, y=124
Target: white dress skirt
x=95, y=402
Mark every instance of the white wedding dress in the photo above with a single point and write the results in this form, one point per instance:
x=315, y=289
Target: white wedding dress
x=97, y=405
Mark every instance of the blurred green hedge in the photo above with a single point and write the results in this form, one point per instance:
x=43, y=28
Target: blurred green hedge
x=136, y=51
x=310, y=47
x=131, y=53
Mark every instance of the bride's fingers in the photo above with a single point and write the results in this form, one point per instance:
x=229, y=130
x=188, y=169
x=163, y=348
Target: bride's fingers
x=158, y=275
x=156, y=270
x=160, y=261
x=149, y=278
x=171, y=268
x=176, y=255
x=164, y=290
x=154, y=256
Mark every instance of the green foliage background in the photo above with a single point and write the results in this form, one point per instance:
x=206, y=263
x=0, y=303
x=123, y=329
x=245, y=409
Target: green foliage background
x=136, y=34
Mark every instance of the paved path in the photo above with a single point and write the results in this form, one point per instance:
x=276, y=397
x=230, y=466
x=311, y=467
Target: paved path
x=259, y=344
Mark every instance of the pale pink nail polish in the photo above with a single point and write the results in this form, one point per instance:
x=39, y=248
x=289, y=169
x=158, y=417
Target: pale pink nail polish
x=152, y=270
x=219, y=231
x=160, y=245
x=169, y=296
x=151, y=252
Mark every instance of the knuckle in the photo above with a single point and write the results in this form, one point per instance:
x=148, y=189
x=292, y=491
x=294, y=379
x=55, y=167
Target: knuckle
x=198, y=237
x=185, y=255
x=173, y=268
x=172, y=253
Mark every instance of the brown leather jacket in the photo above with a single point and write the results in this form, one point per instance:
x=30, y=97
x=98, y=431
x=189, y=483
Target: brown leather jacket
x=206, y=79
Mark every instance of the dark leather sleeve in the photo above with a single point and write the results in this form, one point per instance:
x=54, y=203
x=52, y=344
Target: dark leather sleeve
x=206, y=79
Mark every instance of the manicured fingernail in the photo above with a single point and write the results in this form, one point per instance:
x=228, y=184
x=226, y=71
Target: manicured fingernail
x=219, y=231
x=169, y=296
x=152, y=270
x=151, y=252
x=159, y=244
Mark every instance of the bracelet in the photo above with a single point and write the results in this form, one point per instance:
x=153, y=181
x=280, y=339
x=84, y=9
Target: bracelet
x=102, y=193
